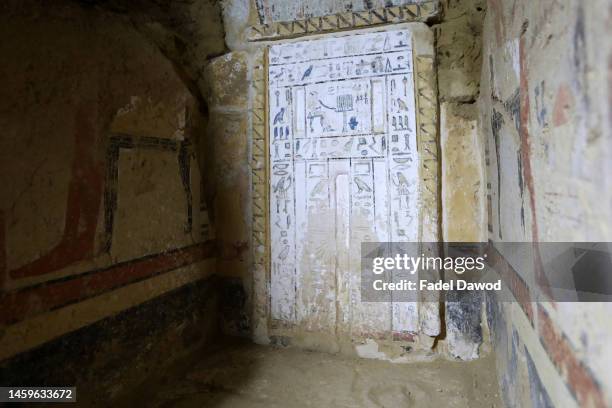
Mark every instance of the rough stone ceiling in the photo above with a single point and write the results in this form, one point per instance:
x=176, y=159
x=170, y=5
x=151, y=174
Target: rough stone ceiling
x=188, y=32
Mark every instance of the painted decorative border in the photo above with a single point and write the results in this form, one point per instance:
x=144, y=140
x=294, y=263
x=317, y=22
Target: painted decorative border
x=342, y=21
x=428, y=149
x=141, y=280
x=427, y=139
x=17, y=305
x=259, y=194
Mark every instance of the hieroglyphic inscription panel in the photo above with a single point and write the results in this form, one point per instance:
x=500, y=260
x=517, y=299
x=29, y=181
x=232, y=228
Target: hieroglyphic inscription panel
x=343, y=170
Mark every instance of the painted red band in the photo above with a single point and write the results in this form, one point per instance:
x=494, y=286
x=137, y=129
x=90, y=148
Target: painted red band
x=19, y=305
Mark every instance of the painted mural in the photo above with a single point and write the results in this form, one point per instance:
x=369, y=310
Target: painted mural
x=281, y=10
x=343, y=170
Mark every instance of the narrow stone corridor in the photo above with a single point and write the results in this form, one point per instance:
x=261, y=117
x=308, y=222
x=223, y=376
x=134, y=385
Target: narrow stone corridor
x=306, y=203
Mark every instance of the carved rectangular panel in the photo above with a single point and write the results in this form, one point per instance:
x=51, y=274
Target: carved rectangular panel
x=344, y=169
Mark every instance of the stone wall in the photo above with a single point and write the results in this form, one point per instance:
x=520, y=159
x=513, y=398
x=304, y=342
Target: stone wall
x=545, y=113
x=246, y=59
x=459, y=44
x=226, y=92
x=503, y=113
x=102, y=208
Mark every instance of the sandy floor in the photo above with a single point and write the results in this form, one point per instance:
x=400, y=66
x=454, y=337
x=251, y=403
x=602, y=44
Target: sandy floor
x=252, y=376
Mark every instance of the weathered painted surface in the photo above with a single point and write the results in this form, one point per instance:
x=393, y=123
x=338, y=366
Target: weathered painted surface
x=102, y=205
x=226, y=156
x=106, y=358
x=270, y=11
x=299, y=18
x=459, y=52
x=344, y=170
x=463, y=179
x=463, y=212
x=545, y=114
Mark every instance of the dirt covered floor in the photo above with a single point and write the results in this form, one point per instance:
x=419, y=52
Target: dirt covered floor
x=246, y=375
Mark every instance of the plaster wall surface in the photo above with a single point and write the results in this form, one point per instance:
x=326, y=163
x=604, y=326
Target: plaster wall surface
x=102, y=208
x=543, y=120
x=463, y=182
x=545, y=114
x=105, y=207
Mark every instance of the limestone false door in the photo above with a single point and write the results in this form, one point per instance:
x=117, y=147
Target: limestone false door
x=343, y=169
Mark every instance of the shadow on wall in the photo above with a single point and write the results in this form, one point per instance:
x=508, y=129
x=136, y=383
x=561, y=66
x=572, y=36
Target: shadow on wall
x=105, y=241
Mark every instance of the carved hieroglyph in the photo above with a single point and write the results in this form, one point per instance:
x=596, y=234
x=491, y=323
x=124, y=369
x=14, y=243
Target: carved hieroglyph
x=343, y=170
